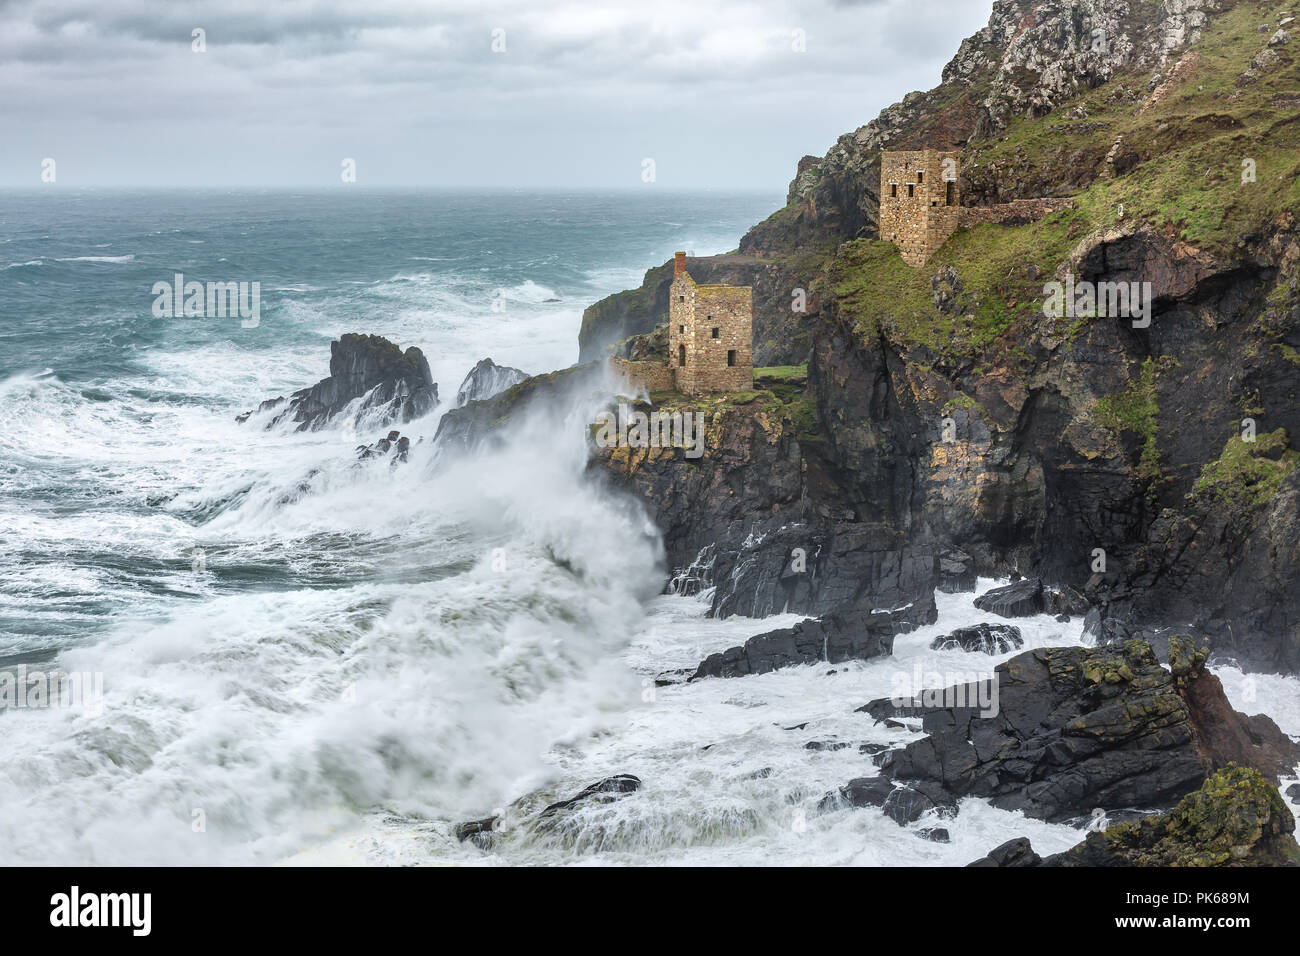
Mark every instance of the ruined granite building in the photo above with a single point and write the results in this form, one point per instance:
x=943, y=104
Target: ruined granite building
x=710, y=339
x=919, y=202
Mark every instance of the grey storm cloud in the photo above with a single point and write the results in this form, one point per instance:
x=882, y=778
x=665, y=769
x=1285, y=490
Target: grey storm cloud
x=720, y=94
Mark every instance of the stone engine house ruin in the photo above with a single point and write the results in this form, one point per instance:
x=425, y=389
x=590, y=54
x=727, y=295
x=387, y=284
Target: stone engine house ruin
x=919, y=201
x=710, y=340
x=710, y=334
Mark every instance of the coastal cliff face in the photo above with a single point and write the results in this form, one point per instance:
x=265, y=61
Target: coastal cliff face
x=1144, y=459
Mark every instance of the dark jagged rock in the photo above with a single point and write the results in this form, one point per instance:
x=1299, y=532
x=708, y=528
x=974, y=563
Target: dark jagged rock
x=841, y=566
x=935, y=834
x=479, y=832
x=485, y=380
x=483, y=833
x=1021, y=599
x=1293, y=791
x=1078, y=728
x=397, y=386
x=1236, y=818
x=395, y=444
x=826, y=745
x=1015, y=852
x=603, y=792
x=834, y=638
x=888, y=709
x=903, y=805
x=981, y=638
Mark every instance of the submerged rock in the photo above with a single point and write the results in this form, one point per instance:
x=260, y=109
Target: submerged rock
x=602, y=792
x=479, y=832
x=485, y=380
x=981, y=638
x=483, y=832
x=396, y=445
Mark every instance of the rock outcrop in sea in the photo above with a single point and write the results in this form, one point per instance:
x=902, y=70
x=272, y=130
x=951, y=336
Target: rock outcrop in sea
x=1071, y=729
x=1235, y=818
x=485, y=380
x=393, y=386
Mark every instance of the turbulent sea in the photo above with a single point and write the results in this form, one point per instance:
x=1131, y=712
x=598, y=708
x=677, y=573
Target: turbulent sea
x=364, y=656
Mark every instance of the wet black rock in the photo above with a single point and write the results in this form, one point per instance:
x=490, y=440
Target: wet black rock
x=901, y=804
x=1293, y=792
x=935, y=834
x=851, y=635
x=479, y=832
x=601, y=792
x=1064, y=601
x=816, y=570
x=1075, y=728
x=1015, y=852
x=887, y=708
x=1018, y=599
x=981, y=638
x=396, y=445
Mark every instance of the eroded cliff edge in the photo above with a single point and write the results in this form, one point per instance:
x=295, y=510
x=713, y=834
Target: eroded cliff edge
x=1148, y=464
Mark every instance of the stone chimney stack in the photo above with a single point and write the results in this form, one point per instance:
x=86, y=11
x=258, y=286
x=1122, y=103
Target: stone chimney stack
x=679, y=263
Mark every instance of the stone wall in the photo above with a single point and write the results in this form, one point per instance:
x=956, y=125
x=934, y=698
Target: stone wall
x=643, y=376
x=1018, y=212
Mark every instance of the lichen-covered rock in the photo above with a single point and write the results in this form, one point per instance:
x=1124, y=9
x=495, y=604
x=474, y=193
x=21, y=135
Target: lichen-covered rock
x=1236, y=818
x=1080, y=728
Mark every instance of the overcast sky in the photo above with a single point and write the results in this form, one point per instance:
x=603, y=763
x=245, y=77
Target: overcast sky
x=716, y=93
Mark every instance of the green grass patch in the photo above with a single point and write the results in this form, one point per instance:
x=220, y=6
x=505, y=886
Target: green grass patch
x=1247, y=473
x=1135, y=410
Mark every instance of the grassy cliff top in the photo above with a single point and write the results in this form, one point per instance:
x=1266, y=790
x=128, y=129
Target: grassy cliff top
x=1230, y=106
